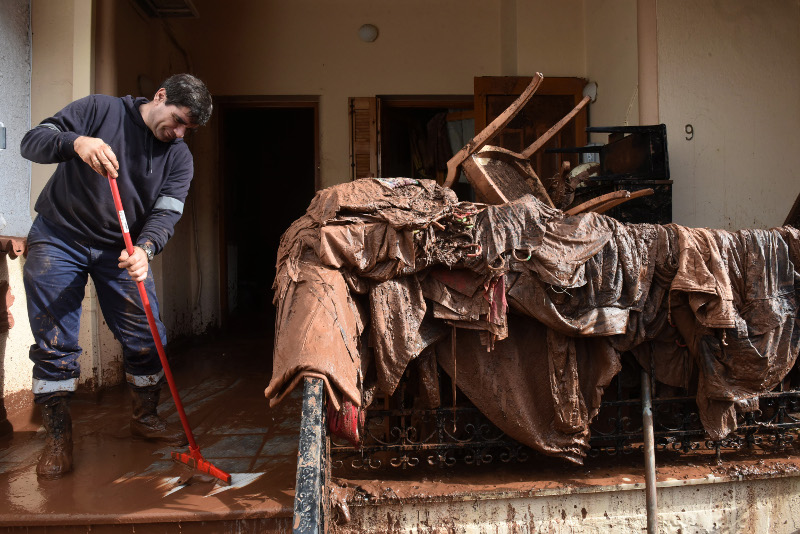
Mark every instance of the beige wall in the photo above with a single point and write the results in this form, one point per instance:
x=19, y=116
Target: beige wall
x=611, y=62
x=551, y=38
x=302, y=47
x=732, y=70
x=312, y=48
x=62, y=71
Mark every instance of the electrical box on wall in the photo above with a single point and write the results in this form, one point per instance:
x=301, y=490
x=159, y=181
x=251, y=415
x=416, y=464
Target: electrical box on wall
x=591, y=157
x=2, y=136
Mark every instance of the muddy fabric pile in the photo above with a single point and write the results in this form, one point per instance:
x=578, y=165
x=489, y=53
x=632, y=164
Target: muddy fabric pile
x=380, y=274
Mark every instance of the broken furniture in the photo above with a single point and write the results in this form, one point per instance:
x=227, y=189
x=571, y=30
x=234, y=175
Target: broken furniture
x=603, y=203
x=500, y=175
x=554, y=99
x=634, y=159
x=375, y=262
x=488, y=133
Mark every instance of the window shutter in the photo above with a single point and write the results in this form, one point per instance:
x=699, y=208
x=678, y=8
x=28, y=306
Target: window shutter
x=363, y=137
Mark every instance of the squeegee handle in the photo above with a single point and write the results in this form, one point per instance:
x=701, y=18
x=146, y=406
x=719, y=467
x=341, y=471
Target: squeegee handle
x=123, y=223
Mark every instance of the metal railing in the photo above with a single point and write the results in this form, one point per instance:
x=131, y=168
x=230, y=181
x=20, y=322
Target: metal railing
x=310, y=497
x=405, y=437
x=630, y=420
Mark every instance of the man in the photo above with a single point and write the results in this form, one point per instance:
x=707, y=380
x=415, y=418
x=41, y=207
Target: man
x=76, y=234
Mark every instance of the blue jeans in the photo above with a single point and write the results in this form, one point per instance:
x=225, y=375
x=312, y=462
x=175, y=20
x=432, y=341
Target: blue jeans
x=56, y=271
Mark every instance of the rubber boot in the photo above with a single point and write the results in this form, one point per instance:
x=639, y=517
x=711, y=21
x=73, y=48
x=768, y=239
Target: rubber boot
x=147, y=424
x=56, y=459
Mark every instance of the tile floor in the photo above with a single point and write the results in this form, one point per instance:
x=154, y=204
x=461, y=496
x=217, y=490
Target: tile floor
x=120, y=481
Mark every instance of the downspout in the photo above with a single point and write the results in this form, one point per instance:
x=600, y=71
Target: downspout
x=105, y=72
x=647, y=42
x=651, y=498
x=647, y=46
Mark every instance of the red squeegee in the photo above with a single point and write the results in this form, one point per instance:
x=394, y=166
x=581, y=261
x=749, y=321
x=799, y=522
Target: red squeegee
x=194, y=459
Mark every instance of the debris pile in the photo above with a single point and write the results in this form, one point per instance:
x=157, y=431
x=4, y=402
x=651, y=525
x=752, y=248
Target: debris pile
x=527, y=308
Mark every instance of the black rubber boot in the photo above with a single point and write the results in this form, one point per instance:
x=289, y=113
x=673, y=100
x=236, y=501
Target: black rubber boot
x=147, y=424
x=56, y=459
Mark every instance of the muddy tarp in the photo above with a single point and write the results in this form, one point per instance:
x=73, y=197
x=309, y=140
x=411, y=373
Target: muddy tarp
x=734, y=303
x=543, y=305
x=322, y=324
x=532, y=385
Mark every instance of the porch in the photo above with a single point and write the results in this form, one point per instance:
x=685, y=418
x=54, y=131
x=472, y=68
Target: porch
x=120, y=485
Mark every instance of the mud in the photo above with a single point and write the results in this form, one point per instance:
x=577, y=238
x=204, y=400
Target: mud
x=532, y=478
x=561, y=299
x=120, y=480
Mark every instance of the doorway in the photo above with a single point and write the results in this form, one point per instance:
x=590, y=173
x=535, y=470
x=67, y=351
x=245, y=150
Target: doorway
x=411, y=136
x=269, y=156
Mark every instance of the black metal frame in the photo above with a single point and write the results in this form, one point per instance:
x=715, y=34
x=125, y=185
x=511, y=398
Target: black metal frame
x=310, y=499
x=405, y=438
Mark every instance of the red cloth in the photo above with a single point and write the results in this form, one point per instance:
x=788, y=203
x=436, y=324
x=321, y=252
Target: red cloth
x=346, y=422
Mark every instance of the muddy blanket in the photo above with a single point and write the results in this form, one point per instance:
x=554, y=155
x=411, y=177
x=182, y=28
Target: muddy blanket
x=540, y=305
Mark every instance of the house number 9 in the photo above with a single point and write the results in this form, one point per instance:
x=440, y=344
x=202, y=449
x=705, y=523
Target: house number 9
x=689, y=129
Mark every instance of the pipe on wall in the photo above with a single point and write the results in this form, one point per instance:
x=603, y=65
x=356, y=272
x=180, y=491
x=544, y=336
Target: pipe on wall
x=647, y=41
x=105, y=72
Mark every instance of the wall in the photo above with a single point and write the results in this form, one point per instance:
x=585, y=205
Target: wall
x=551, y=38
x=611, y=62
x=62, y=66
x=61, y=70
x=709, y=505
x=15, y=71
x=731, y=69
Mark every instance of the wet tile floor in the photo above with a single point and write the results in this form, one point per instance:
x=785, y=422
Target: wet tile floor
x=120, y=480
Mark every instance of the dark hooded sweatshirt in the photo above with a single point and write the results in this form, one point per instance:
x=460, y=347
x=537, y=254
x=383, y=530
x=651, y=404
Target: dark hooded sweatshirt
x=153, y=181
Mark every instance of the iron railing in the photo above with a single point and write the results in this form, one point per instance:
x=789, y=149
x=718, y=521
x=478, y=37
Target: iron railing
x=400, y=437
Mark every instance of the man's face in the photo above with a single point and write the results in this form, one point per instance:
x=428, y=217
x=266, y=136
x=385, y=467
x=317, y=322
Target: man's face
x=169, y=122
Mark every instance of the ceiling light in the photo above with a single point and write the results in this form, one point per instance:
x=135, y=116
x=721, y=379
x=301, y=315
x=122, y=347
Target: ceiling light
x=368, y=33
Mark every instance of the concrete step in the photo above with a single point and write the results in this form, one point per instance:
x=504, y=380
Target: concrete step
x=755, y=492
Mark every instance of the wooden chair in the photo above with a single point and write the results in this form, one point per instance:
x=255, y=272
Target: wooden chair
x=500, y=175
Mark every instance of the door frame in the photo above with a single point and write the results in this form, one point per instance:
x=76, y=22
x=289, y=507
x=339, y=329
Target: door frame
x=461, y=102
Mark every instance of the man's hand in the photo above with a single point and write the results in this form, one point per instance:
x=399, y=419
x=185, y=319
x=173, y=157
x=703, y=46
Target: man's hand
x=97, y=155
x=137, y=264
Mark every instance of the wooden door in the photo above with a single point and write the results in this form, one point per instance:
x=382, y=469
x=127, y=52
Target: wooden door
x=363, y=137
x=555, y=98
x=381, y=128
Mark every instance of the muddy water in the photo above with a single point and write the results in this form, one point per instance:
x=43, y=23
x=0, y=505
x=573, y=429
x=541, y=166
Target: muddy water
x=118, y=479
